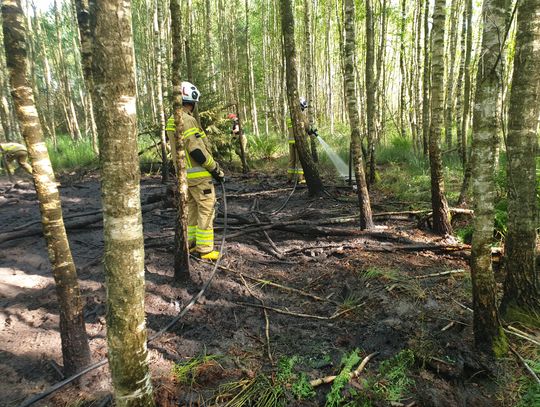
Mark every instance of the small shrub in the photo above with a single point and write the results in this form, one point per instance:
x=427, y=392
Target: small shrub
x=348, y=362
x=186, y=372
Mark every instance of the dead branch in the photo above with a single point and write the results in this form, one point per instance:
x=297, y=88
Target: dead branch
x=521, y=334
x=275, y=285
x=267, y=320
x=37, y=230
x=442, y=273
x=301, y=315
x=356, y=373
x=525, y=364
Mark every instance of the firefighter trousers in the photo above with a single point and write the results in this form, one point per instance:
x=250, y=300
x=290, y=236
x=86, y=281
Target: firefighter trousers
x=201, y=201
x=295, y=167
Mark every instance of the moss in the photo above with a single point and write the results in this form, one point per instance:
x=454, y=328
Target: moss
x=500, y=344
x=515, y=313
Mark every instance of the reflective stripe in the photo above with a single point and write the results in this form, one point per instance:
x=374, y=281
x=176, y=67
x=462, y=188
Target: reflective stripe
x=193, y=131
x=292, y=141
x=170, y=124
x=205, y=237
x=197, y=172
x=209, y=162
x=192, y=232
x=294, y=171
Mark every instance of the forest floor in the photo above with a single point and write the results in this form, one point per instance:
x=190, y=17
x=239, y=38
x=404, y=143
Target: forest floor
x=397, y=290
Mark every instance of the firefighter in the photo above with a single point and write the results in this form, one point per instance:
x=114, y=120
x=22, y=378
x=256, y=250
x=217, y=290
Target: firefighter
x=295, y=167
x=15, y=152
x=239, y=141
x=201, y=168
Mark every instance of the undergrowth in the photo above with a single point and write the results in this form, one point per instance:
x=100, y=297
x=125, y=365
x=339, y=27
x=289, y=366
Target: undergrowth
x=187, y=372
x=69, y=154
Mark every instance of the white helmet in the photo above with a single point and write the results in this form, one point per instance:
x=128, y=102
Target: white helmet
x=190, y=93
x=303, y=103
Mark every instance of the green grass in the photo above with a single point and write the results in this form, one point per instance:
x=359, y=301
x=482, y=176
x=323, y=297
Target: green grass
x=187, y=372
x=348, y=362
x=69, y=154
x=529, y=388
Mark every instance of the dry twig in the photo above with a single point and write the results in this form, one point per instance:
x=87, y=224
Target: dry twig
x=356, y=373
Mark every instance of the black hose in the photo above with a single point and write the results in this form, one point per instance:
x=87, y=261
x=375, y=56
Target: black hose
x=183, y=312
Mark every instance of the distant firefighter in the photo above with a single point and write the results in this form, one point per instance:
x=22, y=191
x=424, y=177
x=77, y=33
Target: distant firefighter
x=239, y=141
x=15, y=152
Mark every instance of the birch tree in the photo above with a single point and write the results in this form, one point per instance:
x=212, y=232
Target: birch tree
x=488, y=334
x=75, y=349
x=114, y=97
x=441, y=214
x=366, y=221
x=181, y=244
x=311, y=173
x=521, y=300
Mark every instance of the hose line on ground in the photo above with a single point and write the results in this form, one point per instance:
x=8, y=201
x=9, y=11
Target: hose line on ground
x=156, y=335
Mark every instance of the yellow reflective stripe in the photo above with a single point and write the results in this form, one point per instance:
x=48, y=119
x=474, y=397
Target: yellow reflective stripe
x=188, y=160
x=294, y=171
x=170, y=124
x=209, y=162
x=292, y=141
x=205, y=232
x=197, y=172
x=193, y=131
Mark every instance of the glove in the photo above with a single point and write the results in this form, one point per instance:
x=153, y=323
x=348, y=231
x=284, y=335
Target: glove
x=218, y=175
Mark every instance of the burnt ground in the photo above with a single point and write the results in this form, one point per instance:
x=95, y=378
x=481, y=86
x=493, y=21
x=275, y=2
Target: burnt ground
x=376, y=291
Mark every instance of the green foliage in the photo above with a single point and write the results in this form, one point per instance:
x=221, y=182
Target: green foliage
x=69, y=154
x=302, y=389
x=464, y=234
x=335, y=397
x=267, y=392
x=266, y=148
x=394, y=381
x=529, y=388
x=187, y=372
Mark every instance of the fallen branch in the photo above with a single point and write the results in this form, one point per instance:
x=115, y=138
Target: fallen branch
x=525, y=364
x=34, y=231
x=275, y=285
x=298, y=314
x=442, y=273
x=521, y=334
x=356, y=373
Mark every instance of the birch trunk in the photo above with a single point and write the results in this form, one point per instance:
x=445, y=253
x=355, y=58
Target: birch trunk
x=181, y=245
x=364, y=205
x=311, y=173
x=75, y=349
x=488, y=334
x=370, y=90
x=114, y=97
x=521, y=300
x=441, y=214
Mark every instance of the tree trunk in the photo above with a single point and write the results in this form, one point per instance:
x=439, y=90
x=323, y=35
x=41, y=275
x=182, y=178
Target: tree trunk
x=459, y=82
x=309, y=75
x=366, y=221
x=450, y=61
x=251, y=77
x=85, y=33
x=313, y=180
x=181, y=244
x=370, y=90
x=488, y=334
x=441, y=215
x=159, y=94
x=402, y=131
x=114, y=101
x=71, y=115
x=521, y=300
x=75, y=349
x=426, y=81
x=466, y=84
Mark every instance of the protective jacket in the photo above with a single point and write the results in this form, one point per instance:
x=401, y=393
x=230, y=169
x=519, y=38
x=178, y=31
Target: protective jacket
x=199, y=162
x=201, y=194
